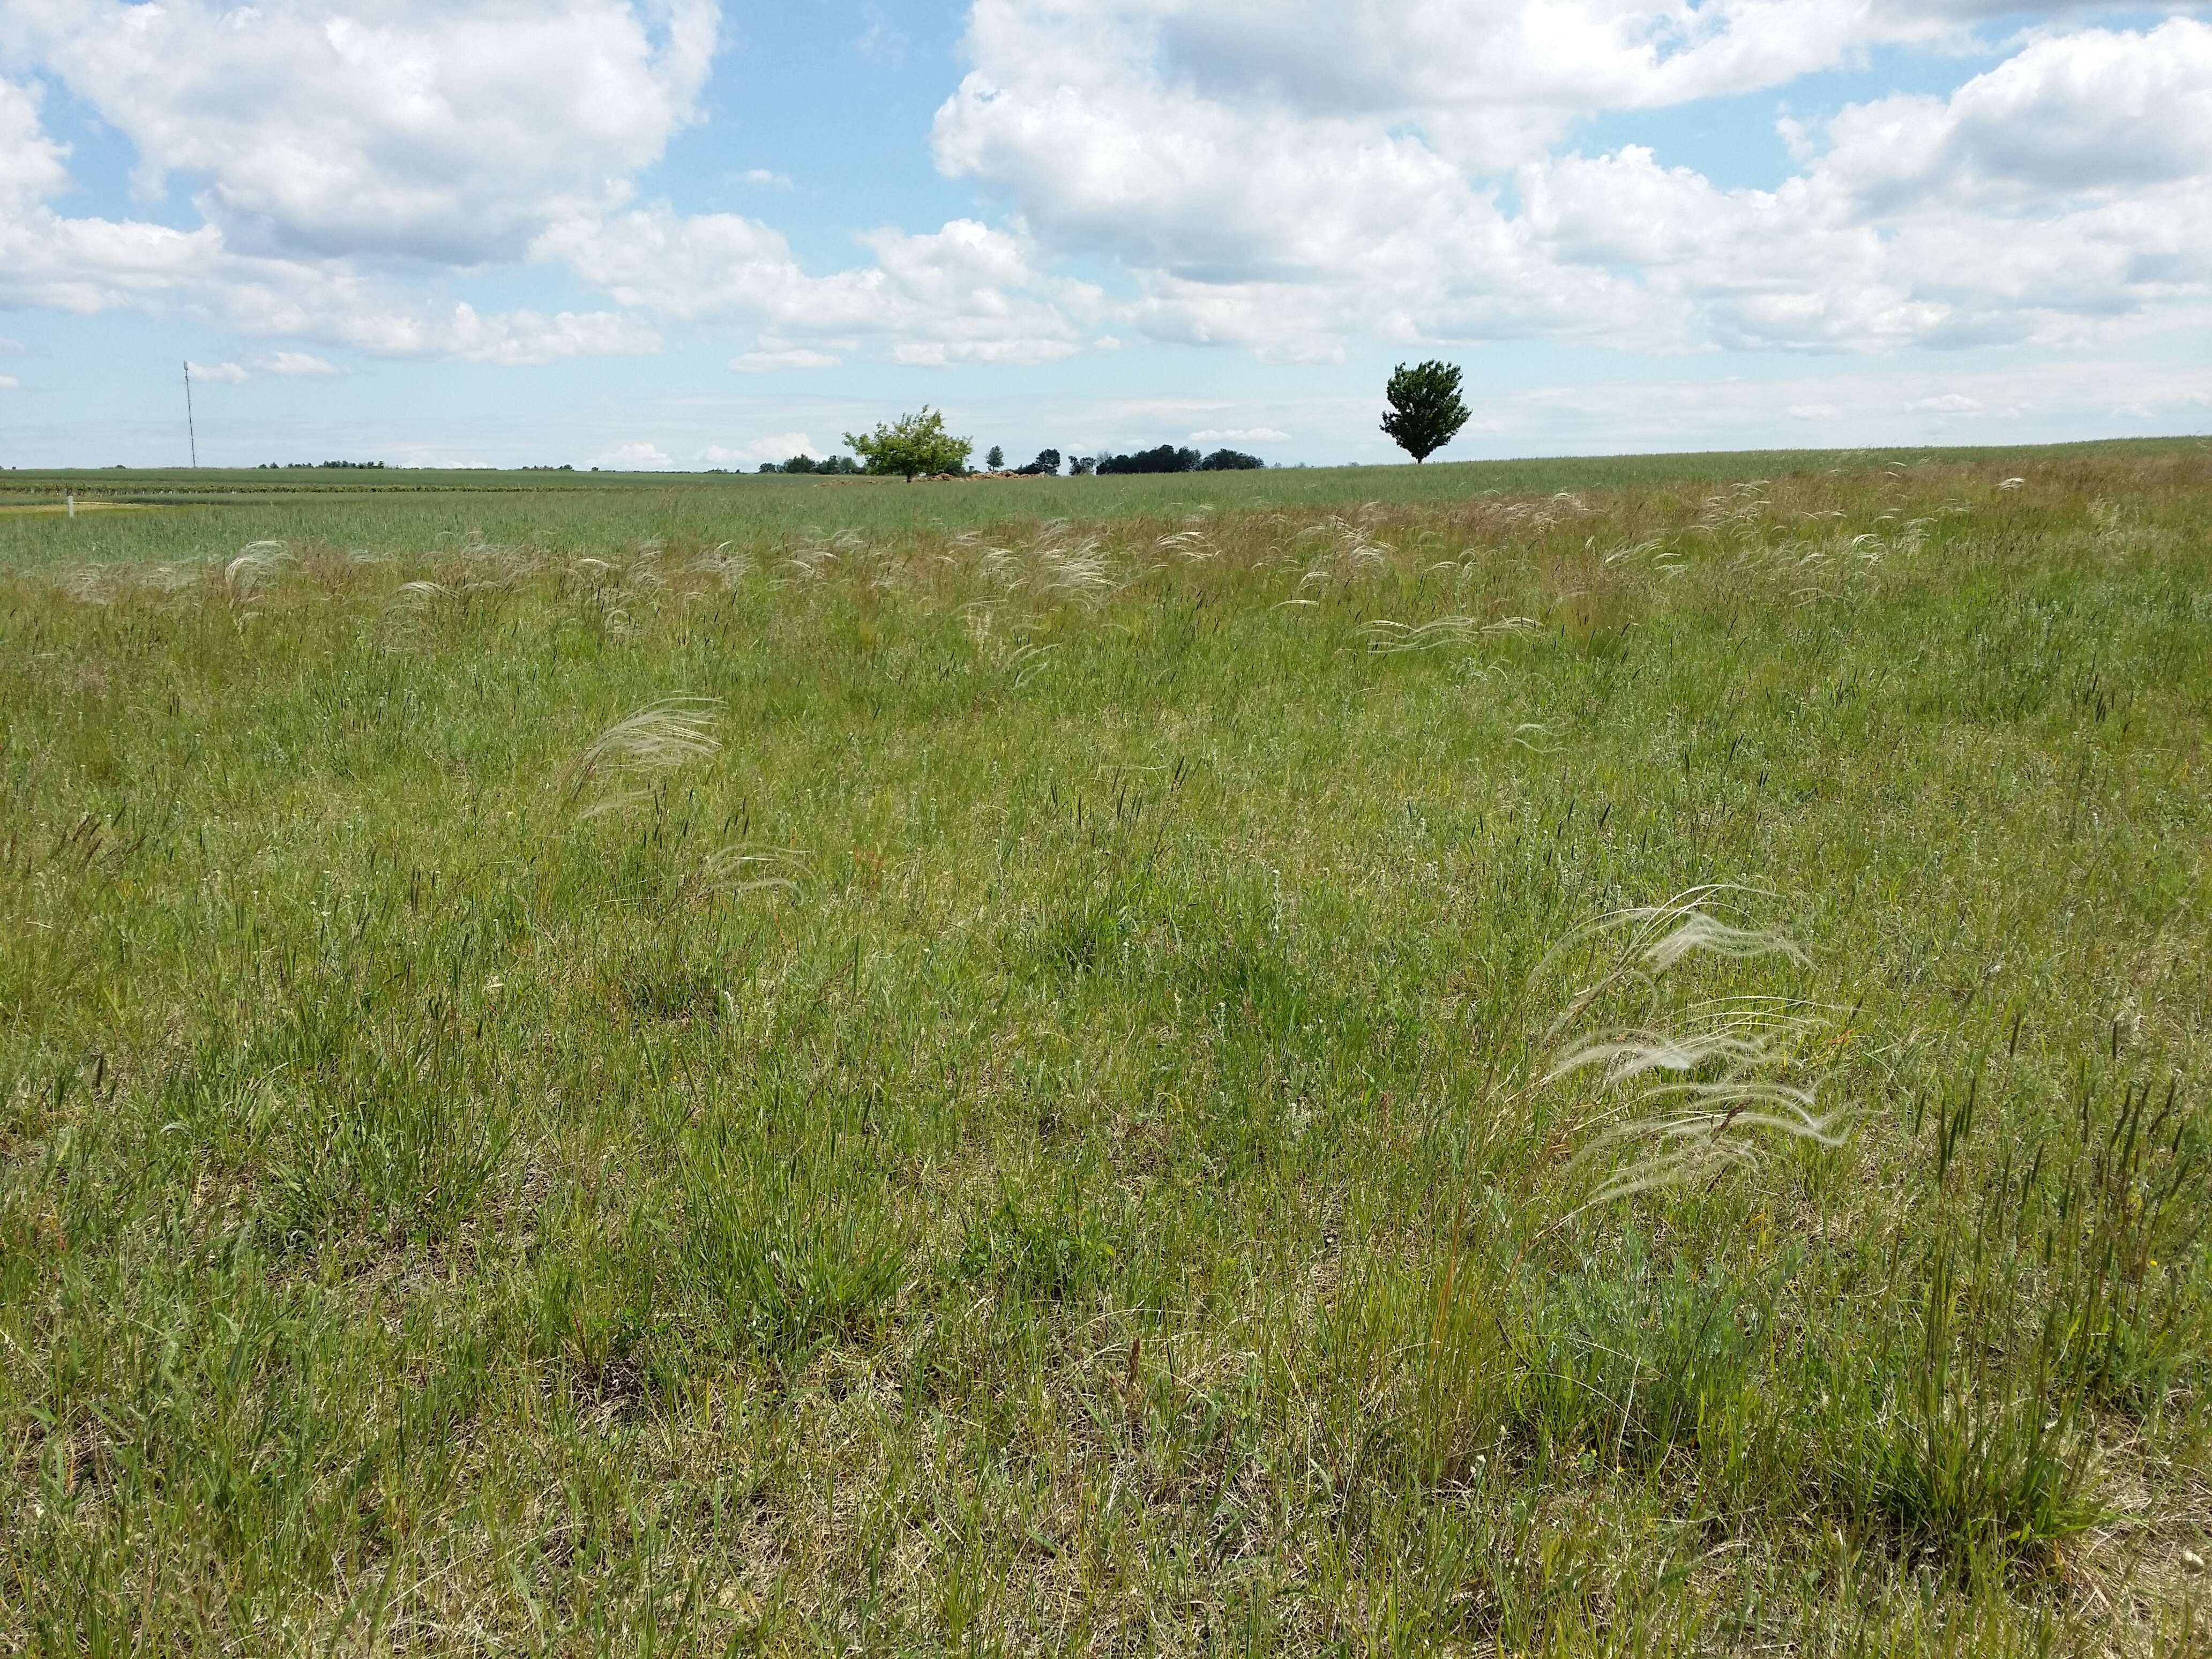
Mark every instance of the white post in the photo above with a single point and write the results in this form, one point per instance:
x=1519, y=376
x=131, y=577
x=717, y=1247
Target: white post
x=72, y=505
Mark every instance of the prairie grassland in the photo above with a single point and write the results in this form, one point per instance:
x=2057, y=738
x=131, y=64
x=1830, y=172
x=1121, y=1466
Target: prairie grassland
x=1618, y=1072
x=606, y=514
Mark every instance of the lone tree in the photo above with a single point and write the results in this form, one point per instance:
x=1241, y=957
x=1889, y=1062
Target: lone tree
x=913, y=444
x=996, y=459
x=1425, y=413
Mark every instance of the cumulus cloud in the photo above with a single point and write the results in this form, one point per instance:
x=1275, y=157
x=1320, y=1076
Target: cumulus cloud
x=633, y=458
x=87, y=264
x=32, y=165
x=768, y=359
x=1254, y=434
x=776, y=446
x=965, y=293
x=288, y=363
x=1286, y=177
x=1291, y=179
x=9, y=383
x=452, y=131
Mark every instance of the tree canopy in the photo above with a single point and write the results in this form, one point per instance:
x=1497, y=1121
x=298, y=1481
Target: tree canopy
x=1169, y=458
x=1425, y=413
x=913, y=444
x=1165, y=459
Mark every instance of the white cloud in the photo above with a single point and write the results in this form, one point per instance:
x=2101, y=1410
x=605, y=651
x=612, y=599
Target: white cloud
x=2059, y=398
x=452, y=131
x=9, y=383
x=1948, y=403
x=1256, y=434
x=86, y=265
x=633, y=458
x=32, y=164
x=777, y=447
x=230, y=374
x=764, y=361
x=1288, y=178
x=1298, y=179
x=965, y=293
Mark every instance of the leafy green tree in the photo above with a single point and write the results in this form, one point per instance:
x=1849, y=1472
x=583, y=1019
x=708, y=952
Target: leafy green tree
x=1165, y=459
x=1425, y=413
x=799, y=464
x=914, y=444
x=995, y=460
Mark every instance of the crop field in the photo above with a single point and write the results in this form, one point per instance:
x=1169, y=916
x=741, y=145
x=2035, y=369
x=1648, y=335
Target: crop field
x=1600, y=1057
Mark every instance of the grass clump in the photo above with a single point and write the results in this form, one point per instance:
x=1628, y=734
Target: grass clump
x=1068, y=1078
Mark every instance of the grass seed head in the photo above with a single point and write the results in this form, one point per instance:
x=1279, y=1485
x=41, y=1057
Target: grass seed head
x=641, y=747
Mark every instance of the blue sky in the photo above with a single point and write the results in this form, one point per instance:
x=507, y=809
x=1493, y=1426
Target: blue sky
x=671, y=233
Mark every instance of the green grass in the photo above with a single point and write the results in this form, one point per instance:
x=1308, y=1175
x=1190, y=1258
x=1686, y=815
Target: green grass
x=1018, y=1103
x=211, y=513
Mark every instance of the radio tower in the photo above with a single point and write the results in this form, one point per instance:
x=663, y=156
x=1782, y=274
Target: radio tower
x=190, y=431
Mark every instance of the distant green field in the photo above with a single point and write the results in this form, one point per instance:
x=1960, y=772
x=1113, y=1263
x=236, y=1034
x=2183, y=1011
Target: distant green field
x=1580, y=1057
x=607, y=513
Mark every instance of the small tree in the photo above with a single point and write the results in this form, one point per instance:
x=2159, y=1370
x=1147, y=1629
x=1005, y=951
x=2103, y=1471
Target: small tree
x=1425, y=413
x=995, y=458
x=914, y=444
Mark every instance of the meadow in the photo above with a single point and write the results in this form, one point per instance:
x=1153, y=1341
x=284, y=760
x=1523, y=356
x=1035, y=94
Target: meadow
x=1577, y=1057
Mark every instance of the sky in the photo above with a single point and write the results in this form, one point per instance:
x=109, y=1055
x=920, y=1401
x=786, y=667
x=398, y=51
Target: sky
x=678, y=233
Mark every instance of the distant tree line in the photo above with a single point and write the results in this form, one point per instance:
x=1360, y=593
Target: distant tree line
x=311, y=466
x=1169, y=458
x=918, y=445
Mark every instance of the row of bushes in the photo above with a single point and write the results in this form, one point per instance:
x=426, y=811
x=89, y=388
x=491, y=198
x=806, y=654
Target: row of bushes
x=1167, y=458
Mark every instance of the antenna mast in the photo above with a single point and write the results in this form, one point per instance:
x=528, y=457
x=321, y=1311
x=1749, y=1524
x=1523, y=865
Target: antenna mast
x=190, y=430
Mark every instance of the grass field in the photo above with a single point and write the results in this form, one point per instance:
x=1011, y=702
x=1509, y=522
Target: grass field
x=1581, y=1057
x=214, y=512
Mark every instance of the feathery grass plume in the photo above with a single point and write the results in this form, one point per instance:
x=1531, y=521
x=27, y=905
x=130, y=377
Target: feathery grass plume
x=1025, y=663
x=90, y=584
x=255, y=564
x=815, y=557
x=1052, y=568
x=640, y=748
x=1194, y=545
x=1350, y=550
x=1384, y=636
x=1703, y=1094
x=719, y=564
x=741, y=868
x=419, y=595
